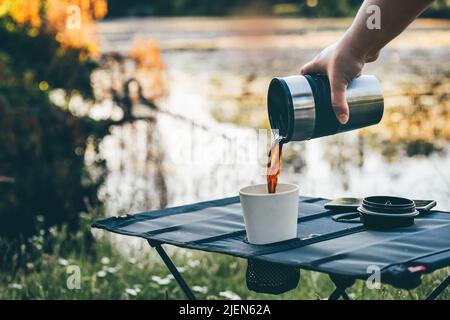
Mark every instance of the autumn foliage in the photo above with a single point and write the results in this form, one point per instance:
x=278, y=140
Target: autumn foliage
x=42, y=163
x=71, y=21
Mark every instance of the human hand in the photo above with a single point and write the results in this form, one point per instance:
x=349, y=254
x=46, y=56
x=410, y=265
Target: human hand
x=342, y=64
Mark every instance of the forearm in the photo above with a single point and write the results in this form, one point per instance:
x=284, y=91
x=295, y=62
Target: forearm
x=344, y=60
x=395, y=16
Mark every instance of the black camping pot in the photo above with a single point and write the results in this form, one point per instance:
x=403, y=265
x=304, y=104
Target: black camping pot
x=385, y=212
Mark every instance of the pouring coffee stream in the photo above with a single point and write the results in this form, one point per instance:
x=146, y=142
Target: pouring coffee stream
x=274, y=164
x=300, y=109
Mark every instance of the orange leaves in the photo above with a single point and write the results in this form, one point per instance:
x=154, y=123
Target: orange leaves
x=72, y=21
x=100, y=9
x=22, y=11
x=150, y=67
x=147, y=54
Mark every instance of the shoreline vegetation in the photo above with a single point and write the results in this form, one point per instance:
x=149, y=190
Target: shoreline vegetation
x=223, y=8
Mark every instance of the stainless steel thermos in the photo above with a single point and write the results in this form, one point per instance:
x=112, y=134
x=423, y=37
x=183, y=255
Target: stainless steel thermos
x=300, y=106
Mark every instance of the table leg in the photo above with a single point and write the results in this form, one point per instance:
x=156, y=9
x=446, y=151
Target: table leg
x=339, y=292
x=341, y=283
x=345, y=296
x=439, y=289
x=336, y=294
x=176, y=274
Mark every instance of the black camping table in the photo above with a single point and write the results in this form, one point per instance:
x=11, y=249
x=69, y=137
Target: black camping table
x=345, y=251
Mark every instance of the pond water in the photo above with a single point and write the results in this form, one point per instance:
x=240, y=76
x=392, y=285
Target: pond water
x=219, y=70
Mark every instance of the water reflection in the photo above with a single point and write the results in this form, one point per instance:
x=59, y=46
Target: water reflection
x=417, y=127
x=223, y=80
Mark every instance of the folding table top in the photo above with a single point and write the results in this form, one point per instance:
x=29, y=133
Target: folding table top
x=322, y=244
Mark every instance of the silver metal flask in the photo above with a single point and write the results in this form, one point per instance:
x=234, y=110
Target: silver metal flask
x=300, y=106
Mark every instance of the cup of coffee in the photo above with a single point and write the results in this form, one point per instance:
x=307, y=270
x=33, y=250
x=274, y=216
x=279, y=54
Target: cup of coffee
x=270, y=217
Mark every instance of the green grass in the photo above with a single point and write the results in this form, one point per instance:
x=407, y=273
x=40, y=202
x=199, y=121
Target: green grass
x=108, y=274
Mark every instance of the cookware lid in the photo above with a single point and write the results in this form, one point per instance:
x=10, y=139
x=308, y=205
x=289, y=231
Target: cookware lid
x=388, y=205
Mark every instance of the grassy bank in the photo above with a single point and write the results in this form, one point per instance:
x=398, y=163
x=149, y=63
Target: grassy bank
x=42, y=267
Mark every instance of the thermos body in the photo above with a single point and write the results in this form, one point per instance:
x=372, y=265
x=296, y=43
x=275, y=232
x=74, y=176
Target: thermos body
x=300, y=106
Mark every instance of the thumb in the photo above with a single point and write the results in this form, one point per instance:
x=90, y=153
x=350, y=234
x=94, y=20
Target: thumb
x=338, y=100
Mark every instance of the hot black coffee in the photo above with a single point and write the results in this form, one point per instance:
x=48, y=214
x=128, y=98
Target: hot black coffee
x=274, y=164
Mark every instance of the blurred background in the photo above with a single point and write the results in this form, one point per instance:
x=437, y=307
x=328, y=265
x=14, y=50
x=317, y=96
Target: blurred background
x=112, y=107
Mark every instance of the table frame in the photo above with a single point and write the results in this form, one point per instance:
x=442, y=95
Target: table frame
x=341, y=283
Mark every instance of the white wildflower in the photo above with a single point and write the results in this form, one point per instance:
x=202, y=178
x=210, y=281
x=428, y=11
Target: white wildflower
x=131, y=292
x=229, y=295
x=53, y=231
x=16, y=286
x=101, y=274
x=200, y=289
x=112, y=270
x=193, y=263
x=63, y=262
x=161, y=281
